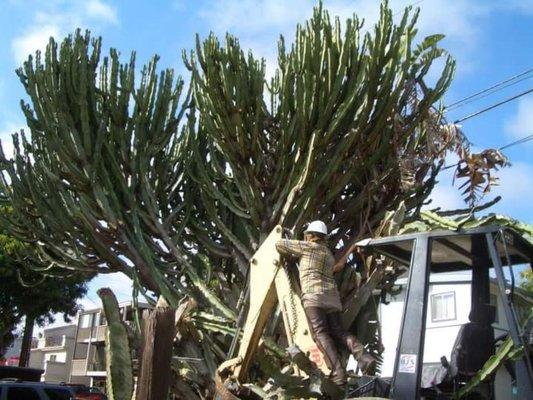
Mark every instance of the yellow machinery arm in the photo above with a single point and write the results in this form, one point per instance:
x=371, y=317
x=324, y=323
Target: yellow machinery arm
x=270, y=283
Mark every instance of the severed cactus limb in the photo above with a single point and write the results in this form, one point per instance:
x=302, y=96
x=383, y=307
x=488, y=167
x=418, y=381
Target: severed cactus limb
x=118, y=354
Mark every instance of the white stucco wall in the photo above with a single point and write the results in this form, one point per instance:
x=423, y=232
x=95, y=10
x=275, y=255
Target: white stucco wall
x=55, y=372
x=36, y=359
x=391, y=319
x=41, y=357
x=60, y=356
x=440, y=336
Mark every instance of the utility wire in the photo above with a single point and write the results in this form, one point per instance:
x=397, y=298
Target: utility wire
x=493, y=106
x=409, y=5
x=517, y=142
x=464, y=102
x=497, y=85
x=91, y=300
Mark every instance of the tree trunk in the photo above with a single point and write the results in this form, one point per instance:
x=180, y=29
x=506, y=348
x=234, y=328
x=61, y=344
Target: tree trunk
x=26, y=342
x=158, y=334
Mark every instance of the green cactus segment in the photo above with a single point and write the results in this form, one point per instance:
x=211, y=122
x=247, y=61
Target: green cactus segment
x=118, y=353
x=430, y=220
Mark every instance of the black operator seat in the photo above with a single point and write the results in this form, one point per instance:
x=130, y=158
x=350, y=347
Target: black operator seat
x=474, y=343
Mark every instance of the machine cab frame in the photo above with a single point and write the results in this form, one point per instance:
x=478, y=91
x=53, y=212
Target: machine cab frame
x=476, y=250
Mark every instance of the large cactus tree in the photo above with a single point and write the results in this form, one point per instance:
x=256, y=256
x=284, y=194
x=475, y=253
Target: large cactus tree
x=98, y=185
x=346, y=129
x=178, y=193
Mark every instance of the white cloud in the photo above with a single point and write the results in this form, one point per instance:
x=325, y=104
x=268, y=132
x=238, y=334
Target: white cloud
x=58, y=19
x=513, y=186
x=521, y=124
x=446, y=197
x=98, y=9
x=35, y=39
x=254, y=17
x=516, y=191
x=6, y=138
x=259, y=24
x=445, y=194
x=119, y=283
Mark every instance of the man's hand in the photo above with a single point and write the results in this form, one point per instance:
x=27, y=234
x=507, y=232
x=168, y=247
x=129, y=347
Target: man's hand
x=341, y=263
x=289, y=233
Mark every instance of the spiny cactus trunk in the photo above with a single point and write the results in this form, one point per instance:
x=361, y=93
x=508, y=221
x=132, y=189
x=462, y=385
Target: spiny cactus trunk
x=119, y=368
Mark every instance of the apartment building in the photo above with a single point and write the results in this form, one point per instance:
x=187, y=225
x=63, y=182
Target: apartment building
x=53, y=351
x=88, y=362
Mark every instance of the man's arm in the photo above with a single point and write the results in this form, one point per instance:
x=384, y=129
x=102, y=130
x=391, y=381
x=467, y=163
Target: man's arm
x=341, y=263
x=339, y=266
x=294, y=248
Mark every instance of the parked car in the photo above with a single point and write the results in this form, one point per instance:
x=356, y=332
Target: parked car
x=83, y=392
x=20, y=373
x=12, y=389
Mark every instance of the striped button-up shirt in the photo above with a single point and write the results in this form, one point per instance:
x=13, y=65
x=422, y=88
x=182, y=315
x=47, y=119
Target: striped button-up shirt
x=316, y=272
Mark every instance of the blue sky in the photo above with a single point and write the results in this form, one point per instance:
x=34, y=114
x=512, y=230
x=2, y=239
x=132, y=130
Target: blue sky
x=491, y=41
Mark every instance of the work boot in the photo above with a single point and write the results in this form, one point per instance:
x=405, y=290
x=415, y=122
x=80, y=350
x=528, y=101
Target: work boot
x=365, y=362
x=338, y=376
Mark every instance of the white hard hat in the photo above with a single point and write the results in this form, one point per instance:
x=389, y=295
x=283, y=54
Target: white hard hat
x=317, y=227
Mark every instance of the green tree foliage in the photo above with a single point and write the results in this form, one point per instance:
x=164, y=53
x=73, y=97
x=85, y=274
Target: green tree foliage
x=30, y=295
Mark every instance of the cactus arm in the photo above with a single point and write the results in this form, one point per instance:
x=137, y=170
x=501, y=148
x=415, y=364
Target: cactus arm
x=117, y=349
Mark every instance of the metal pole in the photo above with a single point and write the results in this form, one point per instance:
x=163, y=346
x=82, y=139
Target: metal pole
x=93, y=317
x=523, y=370
x=410, y=355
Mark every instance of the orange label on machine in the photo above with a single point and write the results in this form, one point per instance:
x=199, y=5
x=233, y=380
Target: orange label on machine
x=316, y=356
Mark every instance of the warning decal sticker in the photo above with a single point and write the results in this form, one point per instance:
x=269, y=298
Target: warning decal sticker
x=407, y=363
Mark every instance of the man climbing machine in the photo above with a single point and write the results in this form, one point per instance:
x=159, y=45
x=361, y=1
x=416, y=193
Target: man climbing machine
x=321, y=300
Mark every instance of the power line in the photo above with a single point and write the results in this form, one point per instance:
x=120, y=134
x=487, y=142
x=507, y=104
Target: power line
x=91, y=300
x=493, y=106
x=497, y=85
x=517, y=142
x=409, y=5
x=488, y=93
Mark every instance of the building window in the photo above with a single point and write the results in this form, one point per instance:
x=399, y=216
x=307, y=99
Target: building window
x=102, y=320
x=443, y=307
x=80, y=352
x=85, y=321
x=53, y=357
